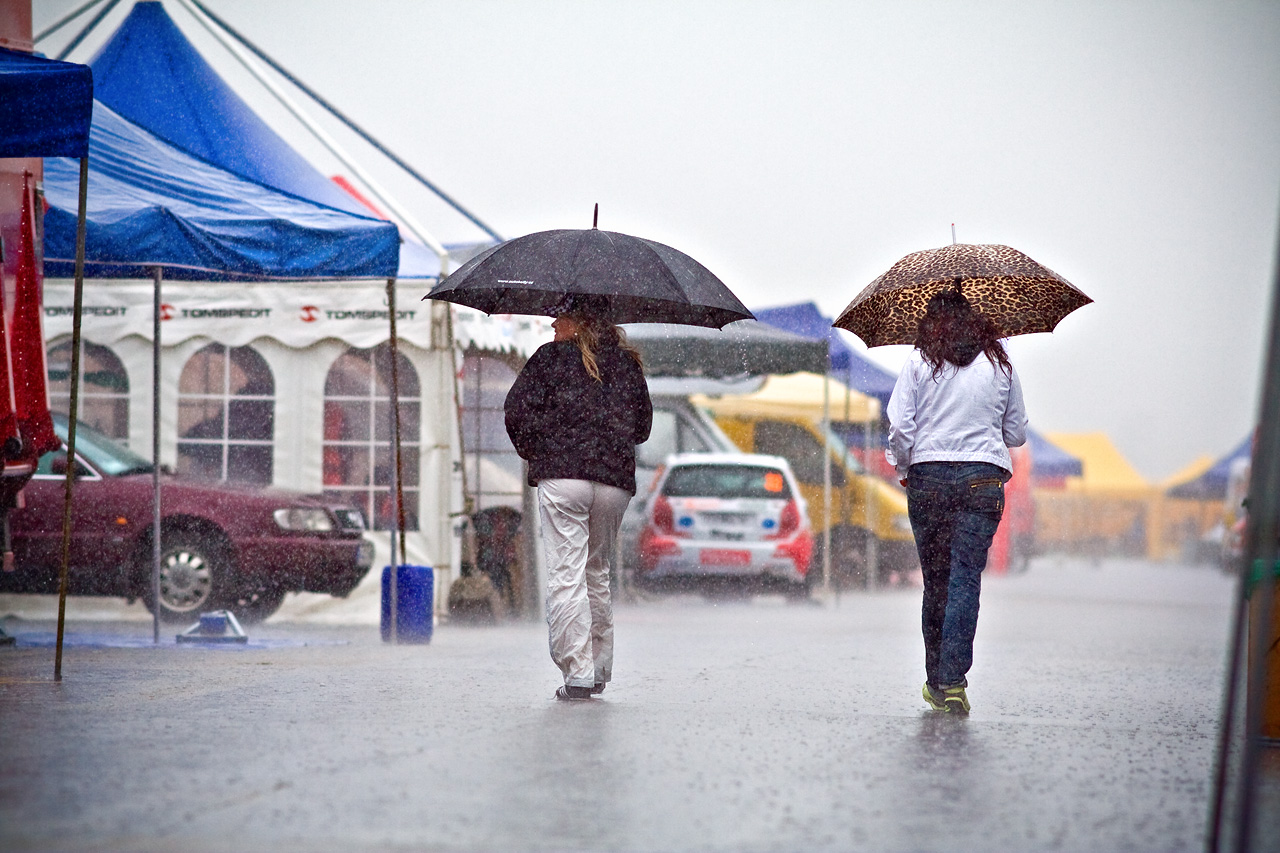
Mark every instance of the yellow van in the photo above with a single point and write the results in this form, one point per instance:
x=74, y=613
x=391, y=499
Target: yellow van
x=869, y=523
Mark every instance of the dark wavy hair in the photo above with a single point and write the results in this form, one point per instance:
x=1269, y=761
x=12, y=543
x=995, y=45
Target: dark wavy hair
x=953, y=332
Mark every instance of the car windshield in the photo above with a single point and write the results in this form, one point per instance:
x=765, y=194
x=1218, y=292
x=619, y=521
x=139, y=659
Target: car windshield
x=726, y=481
x=104, y=453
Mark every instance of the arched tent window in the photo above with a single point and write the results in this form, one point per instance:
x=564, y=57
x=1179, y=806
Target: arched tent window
x=226, y=415
x=104, y=388
x=358, y=456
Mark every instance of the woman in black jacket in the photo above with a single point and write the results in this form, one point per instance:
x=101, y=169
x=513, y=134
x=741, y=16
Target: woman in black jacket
x=576, y=413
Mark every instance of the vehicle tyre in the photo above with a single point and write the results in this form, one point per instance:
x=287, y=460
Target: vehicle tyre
x=195, y=577
x=798, y=592
x=848, y=558
x=253, y=606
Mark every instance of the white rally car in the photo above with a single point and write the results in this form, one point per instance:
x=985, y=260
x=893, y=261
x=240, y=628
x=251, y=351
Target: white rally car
x=713, y=517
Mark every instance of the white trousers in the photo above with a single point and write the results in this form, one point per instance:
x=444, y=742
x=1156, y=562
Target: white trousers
x=580, y=521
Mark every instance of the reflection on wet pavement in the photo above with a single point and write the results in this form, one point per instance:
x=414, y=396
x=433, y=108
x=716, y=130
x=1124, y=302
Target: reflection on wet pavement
x=730, y=725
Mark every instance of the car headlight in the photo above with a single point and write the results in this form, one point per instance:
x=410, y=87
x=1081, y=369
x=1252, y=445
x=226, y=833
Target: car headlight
x=309, y=519
x=350, y=519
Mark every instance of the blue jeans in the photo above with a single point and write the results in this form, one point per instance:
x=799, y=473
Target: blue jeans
x=955, y=508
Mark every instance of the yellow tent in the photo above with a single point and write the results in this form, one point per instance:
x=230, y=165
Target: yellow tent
x=1186, y=522
x=1192, y=471
x=1108, y=509
x=797, y=395
x=1105, y=469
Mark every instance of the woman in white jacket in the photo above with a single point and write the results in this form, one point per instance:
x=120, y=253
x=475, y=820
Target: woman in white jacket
x=955, y=412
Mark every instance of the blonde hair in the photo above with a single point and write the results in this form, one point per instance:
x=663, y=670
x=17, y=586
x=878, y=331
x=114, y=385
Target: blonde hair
x=593, y=332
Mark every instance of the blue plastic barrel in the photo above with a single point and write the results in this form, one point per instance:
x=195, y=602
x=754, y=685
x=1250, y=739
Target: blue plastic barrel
x=415, y=595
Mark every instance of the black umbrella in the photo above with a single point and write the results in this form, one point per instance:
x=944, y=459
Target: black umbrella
x=642, y=281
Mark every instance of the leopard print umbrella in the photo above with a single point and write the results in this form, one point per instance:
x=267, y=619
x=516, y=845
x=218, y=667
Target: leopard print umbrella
x=1018, y=294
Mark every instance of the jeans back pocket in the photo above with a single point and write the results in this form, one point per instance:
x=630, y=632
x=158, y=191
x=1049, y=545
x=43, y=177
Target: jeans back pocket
x=986, y=496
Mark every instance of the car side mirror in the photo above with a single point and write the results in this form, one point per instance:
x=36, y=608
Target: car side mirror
x=58, y=465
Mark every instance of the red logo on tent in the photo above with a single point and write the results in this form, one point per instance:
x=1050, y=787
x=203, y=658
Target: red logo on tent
x=167, y=311
x=310, y=313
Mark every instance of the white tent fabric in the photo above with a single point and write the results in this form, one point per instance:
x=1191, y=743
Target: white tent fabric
x=297, y=314
x=300, y=329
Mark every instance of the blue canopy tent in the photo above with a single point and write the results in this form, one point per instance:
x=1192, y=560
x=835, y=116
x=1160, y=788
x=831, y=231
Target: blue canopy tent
x=45, y=110
x=860, y=374
x=151, y=205
x=1050, y=462
x=157, y=210
x=1212, y=484
x=150, y=74
x=44, y=106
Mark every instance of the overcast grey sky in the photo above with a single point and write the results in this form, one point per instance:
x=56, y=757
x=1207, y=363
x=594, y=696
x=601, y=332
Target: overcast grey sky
x=798, y=149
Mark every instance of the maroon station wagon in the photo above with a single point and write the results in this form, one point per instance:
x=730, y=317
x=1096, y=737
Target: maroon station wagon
x=223, y=546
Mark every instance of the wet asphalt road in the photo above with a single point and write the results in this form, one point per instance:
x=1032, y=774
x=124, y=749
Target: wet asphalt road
x=731, y=725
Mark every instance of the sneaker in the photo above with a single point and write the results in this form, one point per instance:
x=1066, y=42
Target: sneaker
x=955, y=699
x=933, y=698
x=598, y=688
x=569, y=693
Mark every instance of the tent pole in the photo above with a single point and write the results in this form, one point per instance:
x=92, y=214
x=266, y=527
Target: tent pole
x=395, y=418
x=397, y=511
x=64, y=20
x=448, y=308
x=479, y=502
x=826, y=485
x=340, y=116
x=157, y=277
x=320, y=134
x=873, y=511
x=97, y=19
x=77, y=303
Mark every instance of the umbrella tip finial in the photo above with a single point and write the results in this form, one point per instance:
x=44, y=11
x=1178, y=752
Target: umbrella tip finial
x=953, y=233
x=595, y=217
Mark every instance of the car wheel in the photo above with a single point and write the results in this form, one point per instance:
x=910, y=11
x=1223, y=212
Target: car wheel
x=798, y=592
x=255, y=606
x=194, y=577
x=848, y=558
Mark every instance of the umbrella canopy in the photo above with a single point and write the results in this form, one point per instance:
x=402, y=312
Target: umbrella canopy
x=641, y=280
x=1019, y=295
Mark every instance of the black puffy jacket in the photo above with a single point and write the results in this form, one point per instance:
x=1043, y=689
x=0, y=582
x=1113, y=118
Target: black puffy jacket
x=568, y=425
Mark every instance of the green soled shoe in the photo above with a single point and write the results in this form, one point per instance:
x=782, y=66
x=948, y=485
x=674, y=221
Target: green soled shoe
x=950, y=699
x=955, y=700
x=936, y=701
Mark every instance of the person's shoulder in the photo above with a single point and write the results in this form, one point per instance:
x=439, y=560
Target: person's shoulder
x=553, y=350
x=914, y=364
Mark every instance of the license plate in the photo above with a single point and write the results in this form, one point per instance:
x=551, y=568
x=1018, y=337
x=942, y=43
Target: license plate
x=725, y=557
